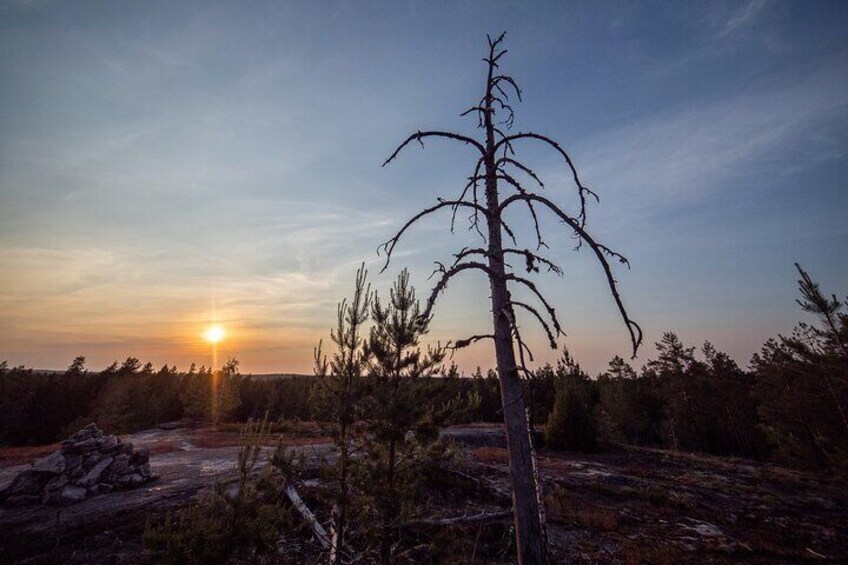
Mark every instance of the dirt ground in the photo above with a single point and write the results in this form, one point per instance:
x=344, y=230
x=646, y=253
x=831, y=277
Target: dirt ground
x=623, y=505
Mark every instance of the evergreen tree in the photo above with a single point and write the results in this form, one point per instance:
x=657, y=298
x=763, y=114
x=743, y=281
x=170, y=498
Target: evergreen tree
x=572, y=422
x=802, y=384
x=336, y=398
x=400, y=419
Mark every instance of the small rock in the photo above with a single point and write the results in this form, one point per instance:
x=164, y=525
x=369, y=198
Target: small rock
x=26, y=483
x=120, y=464
x=72, y=461
x=131, y=480
x=82, y=446
x=84, y=434
x=52, y=490
x=106, y=442
x=54, y=464
x=72, y=494
x=96, y=472
x=100, y=488
x=77, y=473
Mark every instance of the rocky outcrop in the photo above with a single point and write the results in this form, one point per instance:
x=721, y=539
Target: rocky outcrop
x=88, y=463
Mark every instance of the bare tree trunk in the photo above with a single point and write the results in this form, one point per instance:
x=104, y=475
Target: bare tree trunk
x=529, y=524
x=528, y=505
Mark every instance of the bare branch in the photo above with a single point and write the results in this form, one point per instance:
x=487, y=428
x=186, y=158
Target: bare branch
x=389, y=245
x=519, y=165
x=532, y=258
x=516, y=334
x=475, y=109
x=448, y=274
x=472, y=182
x=601, y=252
x=508, y=231
x=465, y=252
x=529, y=257
x=461, y=343
x=508, y=79
x=419, y=136
x=529, y=284
x=583, y=190
x=464, y=519
x=551, y=338
x=495, y=59
x=509, y=179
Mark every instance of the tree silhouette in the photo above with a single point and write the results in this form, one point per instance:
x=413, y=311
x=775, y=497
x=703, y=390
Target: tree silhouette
x=337, y=396
x=497, y=166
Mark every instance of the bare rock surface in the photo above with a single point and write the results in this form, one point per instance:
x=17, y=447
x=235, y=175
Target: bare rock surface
x=106, y=527
x=636, y=505
x=625, y=505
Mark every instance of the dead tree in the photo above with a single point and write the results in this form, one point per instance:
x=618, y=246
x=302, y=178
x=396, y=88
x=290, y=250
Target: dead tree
x=497, y=167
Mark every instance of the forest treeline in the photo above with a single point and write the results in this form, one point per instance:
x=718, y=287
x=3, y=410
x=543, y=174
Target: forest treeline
x=788, y=406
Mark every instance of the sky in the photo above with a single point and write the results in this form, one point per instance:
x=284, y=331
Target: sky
x=167, y=165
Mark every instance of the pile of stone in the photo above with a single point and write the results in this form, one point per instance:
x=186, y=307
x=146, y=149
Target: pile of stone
x=88, y=463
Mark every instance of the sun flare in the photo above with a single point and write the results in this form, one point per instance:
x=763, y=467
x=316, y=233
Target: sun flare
x=214, y=334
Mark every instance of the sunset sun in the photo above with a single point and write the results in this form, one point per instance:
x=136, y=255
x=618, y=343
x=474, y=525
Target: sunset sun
x=214, y=334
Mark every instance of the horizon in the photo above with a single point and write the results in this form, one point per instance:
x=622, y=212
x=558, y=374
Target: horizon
x=167, y=167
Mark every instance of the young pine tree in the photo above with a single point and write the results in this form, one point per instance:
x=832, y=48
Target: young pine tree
x=572, y=424
x=400, y=418
x=336, y=398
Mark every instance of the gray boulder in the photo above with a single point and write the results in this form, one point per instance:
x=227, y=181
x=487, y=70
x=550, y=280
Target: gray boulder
x=72, y=494
x=95, y=473
x=120, y=464
x=26, y=483
x=54, y=464
x=51, y=492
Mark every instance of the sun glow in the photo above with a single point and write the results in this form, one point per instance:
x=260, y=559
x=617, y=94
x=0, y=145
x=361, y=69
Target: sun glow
x=214, y=334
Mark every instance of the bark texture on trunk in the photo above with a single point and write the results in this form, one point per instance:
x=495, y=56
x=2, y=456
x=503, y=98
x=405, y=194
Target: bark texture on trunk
x=529, y=520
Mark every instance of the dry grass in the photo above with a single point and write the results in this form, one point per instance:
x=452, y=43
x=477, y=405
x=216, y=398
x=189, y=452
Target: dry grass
x=212, y=439
x=561, y=506
x=491, y=455
x=12, y=456
x=164, y=447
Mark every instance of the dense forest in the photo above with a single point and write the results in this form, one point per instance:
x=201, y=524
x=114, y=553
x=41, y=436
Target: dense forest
x=788, y=406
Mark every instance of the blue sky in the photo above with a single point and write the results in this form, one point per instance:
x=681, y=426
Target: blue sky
x=163, y=165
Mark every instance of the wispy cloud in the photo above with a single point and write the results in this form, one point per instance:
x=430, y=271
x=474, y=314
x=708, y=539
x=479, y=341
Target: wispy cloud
x=685, y=155
x=744, y=16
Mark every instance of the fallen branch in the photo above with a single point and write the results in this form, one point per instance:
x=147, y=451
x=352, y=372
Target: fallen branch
x=317, y=529
x=464, y=519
